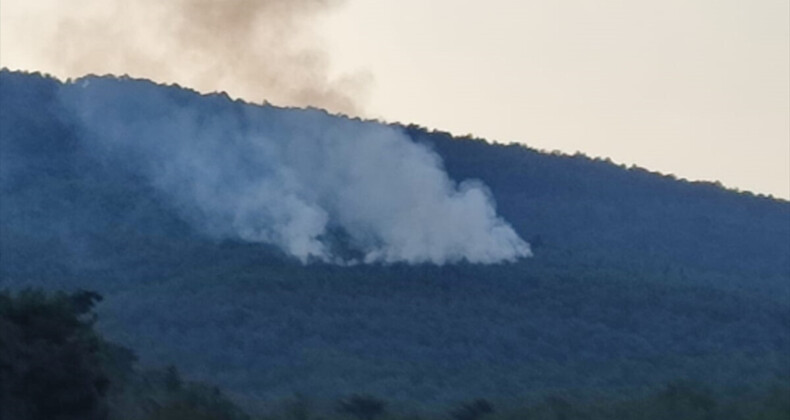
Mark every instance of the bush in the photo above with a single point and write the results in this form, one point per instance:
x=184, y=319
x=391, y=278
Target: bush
x=50, y=360
x=363, y=407
x=473, y=410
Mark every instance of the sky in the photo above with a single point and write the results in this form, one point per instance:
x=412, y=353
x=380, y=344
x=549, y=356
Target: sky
x=696, y=88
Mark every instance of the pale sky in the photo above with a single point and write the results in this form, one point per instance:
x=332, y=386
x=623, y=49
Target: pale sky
x=697, y=88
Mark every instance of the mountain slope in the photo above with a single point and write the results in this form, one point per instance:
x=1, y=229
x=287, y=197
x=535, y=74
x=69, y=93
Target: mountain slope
x=636, y=279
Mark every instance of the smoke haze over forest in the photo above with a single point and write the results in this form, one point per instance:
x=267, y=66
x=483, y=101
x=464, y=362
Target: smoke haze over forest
x=260, y=175
x=192, y=214
x=656, y=85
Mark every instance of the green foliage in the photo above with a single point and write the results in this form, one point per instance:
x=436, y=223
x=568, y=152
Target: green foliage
x=299, y=408
x=54, y=366
x=638, y=279
x=165, y=395
x=684, y=400
x=473, y=410
x=50, y=362
x=195, y=402
x=172, y=380
x=38, y=330
x=363, y=407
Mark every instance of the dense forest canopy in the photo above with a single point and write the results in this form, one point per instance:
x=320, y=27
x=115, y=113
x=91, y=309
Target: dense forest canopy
x=55, y=366
x=637, y=279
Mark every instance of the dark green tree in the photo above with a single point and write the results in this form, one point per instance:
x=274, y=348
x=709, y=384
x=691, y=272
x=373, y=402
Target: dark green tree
x=363, y=407
x=172, y=379
x=196, y=402
x=684, y=399
x=50, y=357
x=299, y=407
x=473, y=410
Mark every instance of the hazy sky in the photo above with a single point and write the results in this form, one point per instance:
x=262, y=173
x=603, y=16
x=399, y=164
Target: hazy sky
x=698, y=88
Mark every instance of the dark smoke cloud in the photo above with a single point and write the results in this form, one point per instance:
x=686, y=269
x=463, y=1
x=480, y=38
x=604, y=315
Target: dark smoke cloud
x=255, y=49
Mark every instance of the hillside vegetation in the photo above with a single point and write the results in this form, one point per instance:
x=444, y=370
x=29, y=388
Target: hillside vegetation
x=638, y=280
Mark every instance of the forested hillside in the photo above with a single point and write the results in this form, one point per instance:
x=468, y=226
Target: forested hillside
x=636, y=279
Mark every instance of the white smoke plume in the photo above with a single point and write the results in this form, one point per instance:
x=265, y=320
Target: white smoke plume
x=292, y=178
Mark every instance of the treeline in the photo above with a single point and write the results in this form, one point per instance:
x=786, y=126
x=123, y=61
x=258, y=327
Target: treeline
x=55, y=366
x=637, y=278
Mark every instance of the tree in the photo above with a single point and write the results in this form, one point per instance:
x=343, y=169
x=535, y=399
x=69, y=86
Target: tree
x=473, y=410
x=363, y=407
x=685, y=399
x=50, y=361
x=172, y=379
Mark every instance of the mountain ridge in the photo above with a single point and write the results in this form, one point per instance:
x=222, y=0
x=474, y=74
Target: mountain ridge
x=418, y=128
x=636, y=279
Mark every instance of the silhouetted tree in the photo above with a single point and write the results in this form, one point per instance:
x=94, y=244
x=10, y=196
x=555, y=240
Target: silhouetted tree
x=172, y=379
x=473, y=410
x=559, y=407
x=363, y=407
x=299, y=407
x=684, y=399
x=50, y=364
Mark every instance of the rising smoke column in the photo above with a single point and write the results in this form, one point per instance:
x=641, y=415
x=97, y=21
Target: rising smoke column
x=292, y=178
x=252, y=49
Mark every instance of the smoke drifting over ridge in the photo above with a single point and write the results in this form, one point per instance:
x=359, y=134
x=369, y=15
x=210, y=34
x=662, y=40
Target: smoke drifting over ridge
x=253, y=49
x=298, y=179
